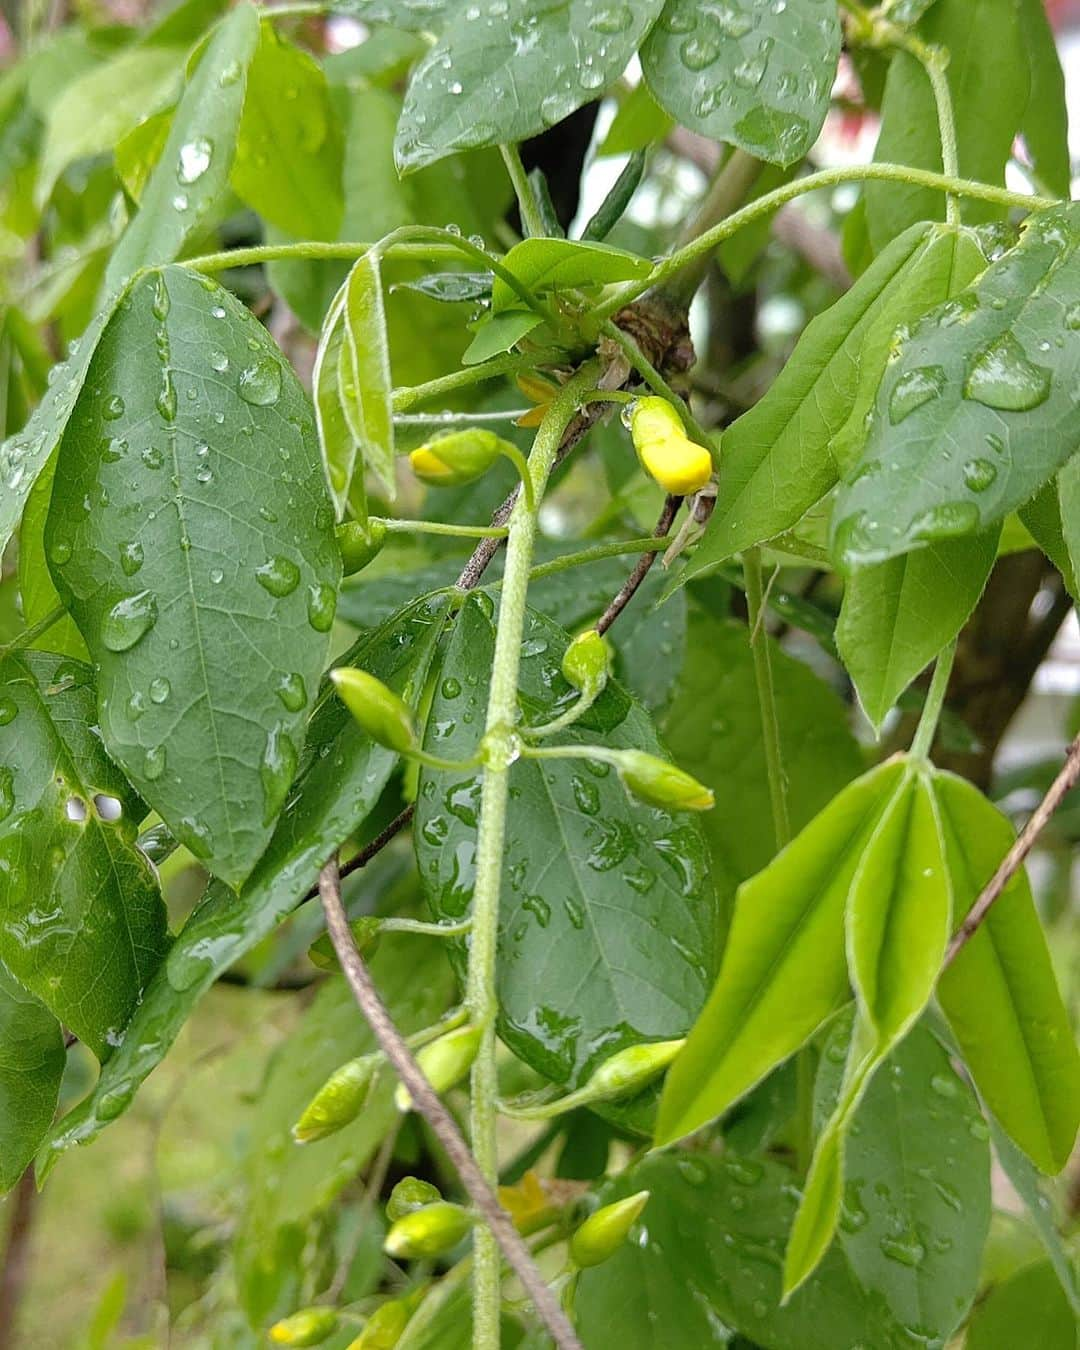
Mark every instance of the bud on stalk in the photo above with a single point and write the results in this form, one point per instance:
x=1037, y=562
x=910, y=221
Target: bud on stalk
x=586, y=663
x=339, y=1101
x=603, y=1233
x=383, y=715
x=359, y=545
x=444, y=1062
x=427, y=1232
x=309, y=1326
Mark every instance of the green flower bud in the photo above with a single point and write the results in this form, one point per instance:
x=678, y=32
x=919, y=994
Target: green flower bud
x=603, y=1233
x=662, y=784
x=653, y=419
x=408, y=1195
x=586, y=662
x=365, y=932
x=629, y=1070
x=383, y=1328
x=427, y=1232
x=339, y=1101
x=309, y=1326
x=457, y=458
x=359, y=544
x=382, y=714
x=444, y=1062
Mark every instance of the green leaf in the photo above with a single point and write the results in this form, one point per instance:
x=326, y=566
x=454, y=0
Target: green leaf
x=510, y=74
x=559, y=264
x=713, y=730
x=287, y=1187
x=989, y=374
x=288, y=147
x=82, y=925
x=913, y=1225
x=710, y=1267
x=898, y=615
x=193, y=171
x=1052, y=523
x=498, y=333
x=757, y=76
x=639, y=122
x=1045, y=123
x=989, y=88
x=340, y=780
x=36, y=589
x=786, y=453
x=1028, y=1309
x=32, y=1061
x=784, y=970
x=607, y=928
x=205, y=592
x=1000, y=994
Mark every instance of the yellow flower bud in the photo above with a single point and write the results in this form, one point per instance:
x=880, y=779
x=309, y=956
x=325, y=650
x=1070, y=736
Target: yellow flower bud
x=629, y=1070
x=586, y=662
x=427, y=1232
x=603, y=1233
x=309, y=1326
x=410, y=1193
x=662, y=784
x=338, y=1102
x=444, y=1062
x=653, y=419
x=667, y=454
x=358, y=544
x=384, y=1327
x=381, y=713
x=457, y=458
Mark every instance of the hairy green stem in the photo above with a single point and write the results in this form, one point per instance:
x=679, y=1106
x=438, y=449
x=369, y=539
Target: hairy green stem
x=923, y=741
x=530, y=212
x=34, y=631
x=409, y=395
x=452, y=418
x=933, y=64
x=491, y=835
x=770, y=726
x=616, y=549
x=393, y=526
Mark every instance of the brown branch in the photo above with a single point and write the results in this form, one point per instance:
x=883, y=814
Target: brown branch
x=641, y=568
x=1013, y=860
x=377, y=845
x=435, y=1113
x=16, y=1265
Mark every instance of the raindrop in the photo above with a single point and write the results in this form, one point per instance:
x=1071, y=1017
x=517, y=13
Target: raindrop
x=946, y=521
x=229, y=74
x=9, y=710
x=217, y=576
x=160, y=689
x=751, y=72
x=112, y=408
x=1072, y=318
x=699, y=52
x=166, y=399
x=152, y=457
x=260, y=383
x=159, y=306
x=575, y=912
x=611, y=19
x=539, y=908
x=1003, y=378
x=913, y=389
x=322, y=604
x=128, y=620
x=219, y=362
x=292, y=691
x=195, y=157
x=7, y=792
x=280, y=576
x=979, y=474
x=906, y=1249
x=59, y=552
x=131, y=557
x=451, y=688
x=586, y=795
x=154, y=763
x=276, y=771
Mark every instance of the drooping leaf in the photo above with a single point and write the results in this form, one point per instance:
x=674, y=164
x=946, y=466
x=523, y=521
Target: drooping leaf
x=365, y=382
x=204, y=576
x=31, y=1066
x=607, y=921
x=1045, y=123
x=559, y=264
x=784, y=970
x=193, y=170
x=506, y=75
x=339, y=782
x=287, y=1186
x=757, y=76
x=288, y=147
x=989, y=88
x=988, y=376
x=1000, y=994
x=713, y=730
x=82, y=925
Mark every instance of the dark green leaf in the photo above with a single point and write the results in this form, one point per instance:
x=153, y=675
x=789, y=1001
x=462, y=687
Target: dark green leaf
x=558, y=264
x=987, y=377
x=36, y=589
x=607, y=924
x=31, y=1066
x=339, y=782
x=81, y=923
x=206, y=591
x=758, y=76
x=1045, y=123
x=508, y=74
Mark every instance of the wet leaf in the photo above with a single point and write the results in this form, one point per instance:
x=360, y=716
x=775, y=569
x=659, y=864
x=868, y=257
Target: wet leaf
x=31, y=1065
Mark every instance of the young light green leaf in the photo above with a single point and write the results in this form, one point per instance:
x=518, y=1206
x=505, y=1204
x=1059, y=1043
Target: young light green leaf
x=193, y=170
x=1000, y=994
x=509, y=74
x=288, y=146
x=339, y=782
x=83, y=925
x=1029, y=1308
x=205, y=594
x=558, y=264
x=989, y=86
x=588, y=870
x=991, y=373
x=498, y=333
x=1045, y=123
x=897, y=615
x=31, y=1065
x=784, y=970
x=757, y=76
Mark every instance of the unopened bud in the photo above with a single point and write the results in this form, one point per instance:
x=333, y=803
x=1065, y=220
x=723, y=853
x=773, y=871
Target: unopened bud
x=365, y=934
x=384, y=1327
x=653, y=419
x=444, y=1062
x=656, y=781
x=382, y=714
x=586, y=662
x=603, y=1233
x=667, y=454
x=628, y=1071
x=457, y=458
x=427, y=1232
x=309, y=1326
x=359, y=544
x=411, y=1193
x=339, y=1101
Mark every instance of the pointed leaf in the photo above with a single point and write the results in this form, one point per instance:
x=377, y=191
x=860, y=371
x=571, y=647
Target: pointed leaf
x=31, y=1065
x=560, y=264
x=206, y=591
x=1051, y=519
x=498, y=333
x=1045, y=124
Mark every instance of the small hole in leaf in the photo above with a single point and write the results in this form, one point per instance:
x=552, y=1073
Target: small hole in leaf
x=108, y=808
x=75, y=808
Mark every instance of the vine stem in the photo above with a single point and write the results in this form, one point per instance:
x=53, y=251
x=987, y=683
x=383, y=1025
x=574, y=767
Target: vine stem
x=498, y=1225
x=766, y=693
x=31, y=634
x=409, y=395
x=617, y=548
x=499, y=747
x=933, y=63
x=923, y=740
x=395, y=526
x=530, y=213
x=630, y=586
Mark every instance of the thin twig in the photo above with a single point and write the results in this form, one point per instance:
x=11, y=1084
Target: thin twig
x=1013, y=860
x=377, y=845
x=16, y=1266
x=641, y=568
x=435, y=1113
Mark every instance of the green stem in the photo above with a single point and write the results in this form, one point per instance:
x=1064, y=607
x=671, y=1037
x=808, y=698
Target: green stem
x=446, y=930
x=31, y=634
x=930, y=59
x=727, y=190
x=577, y=709
x=655, y=380
x=510, y=451
x=616, y=549
x=452, y=418
x=770, y=726
x=923, y=741
x=530, y=212
x=408, y=396
x=491, y=837
x=438, y=527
